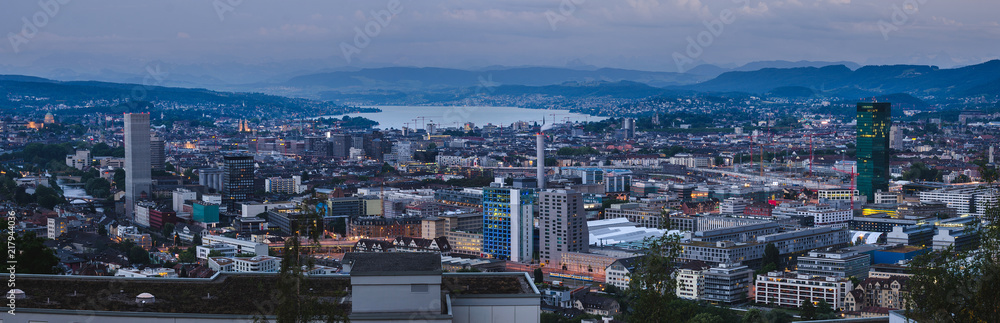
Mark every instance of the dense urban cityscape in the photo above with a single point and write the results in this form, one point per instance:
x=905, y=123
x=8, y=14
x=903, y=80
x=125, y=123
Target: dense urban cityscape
x=772, y=191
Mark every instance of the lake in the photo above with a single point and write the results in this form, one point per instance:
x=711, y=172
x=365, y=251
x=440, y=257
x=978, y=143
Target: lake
x=399, y=116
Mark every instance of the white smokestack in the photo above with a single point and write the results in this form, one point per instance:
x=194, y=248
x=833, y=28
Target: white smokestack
x=540, y=156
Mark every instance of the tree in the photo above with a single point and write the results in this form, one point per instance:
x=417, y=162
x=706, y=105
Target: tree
x=215, y=253
x=137, y=255
x=196, y=240
x=652, y=287
x=189, y=255
x=47, y=197
x=777, y=316
x=102, y=231
x=753, y=315
x=539, y=275
x=959, y=286
x=706, y=318
x=293, y=304
x=32, y=256
x=168, y=230
x=807, y=311
x=824, y=311
x=119, y=179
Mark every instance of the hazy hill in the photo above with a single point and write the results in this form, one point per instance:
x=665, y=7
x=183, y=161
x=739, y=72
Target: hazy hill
x=840, y=80
x=416, y=78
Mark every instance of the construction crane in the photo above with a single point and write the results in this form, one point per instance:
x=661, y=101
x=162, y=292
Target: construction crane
x=853, y=175
x=811, y=155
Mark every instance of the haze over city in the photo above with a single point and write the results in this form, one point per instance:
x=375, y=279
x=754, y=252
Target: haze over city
x=233, y=40
x=557, y=161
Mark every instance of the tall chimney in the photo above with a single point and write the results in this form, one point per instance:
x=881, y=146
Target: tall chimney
x=540, y=155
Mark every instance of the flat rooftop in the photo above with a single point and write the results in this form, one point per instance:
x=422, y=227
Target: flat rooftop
x=904, y=249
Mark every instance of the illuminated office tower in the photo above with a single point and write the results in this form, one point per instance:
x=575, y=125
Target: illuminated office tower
x=873, y=147
x=508, y=223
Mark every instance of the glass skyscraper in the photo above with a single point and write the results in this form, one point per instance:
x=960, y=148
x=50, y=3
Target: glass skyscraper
x=508, y=223
x=237, y=180
x=874, y=121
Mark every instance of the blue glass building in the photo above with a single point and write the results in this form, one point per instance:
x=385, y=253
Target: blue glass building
x=508, y=223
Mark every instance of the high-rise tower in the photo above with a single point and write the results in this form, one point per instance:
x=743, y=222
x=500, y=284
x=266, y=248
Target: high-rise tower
x=138, y=171
x=874, y=121
x=562, y=225
x=508, y=223
x=237, y=180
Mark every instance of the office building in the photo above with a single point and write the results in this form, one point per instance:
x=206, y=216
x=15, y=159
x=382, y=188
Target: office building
x=562, y=224
x=340, y=145
x=751, y=252
x=240, y=246
x=835, y=263
x=138, y=170
x=690, y=279
x=80, y=160
x=205, y=212
x=237, y=180
x=896, y=137
x=466, y=243
x=280, y=185
x=638, y=214
x=732, y=205
x=508, y=223
x=157, y=153
x=727, y=284
x=56, y=227
x=874, y=121
x=255, y=264
x=966, y=199
x=791, y=289
x=181, y=195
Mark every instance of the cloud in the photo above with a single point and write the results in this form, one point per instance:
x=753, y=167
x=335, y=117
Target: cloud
x=183, y=35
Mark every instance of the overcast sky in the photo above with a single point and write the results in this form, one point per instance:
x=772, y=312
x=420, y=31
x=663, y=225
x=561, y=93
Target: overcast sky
x=639, y=34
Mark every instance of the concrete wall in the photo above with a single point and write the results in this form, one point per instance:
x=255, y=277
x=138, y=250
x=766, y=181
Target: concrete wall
x=387, y=294
x=498, y=309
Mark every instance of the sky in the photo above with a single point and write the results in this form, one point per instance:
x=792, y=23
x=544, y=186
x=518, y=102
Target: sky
x=232, y=39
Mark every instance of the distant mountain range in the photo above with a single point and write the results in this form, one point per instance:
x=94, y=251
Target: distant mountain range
x=865, y=81
x=26, y=93
x=713, y=71
x=413, y=85
x=413, y=78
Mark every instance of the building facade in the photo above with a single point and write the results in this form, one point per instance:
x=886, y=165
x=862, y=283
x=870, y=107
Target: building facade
x=791, y=289
x=138, y=169
x=508, y=223
x=874, y=121
x=562, y=224
x=237, y=180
